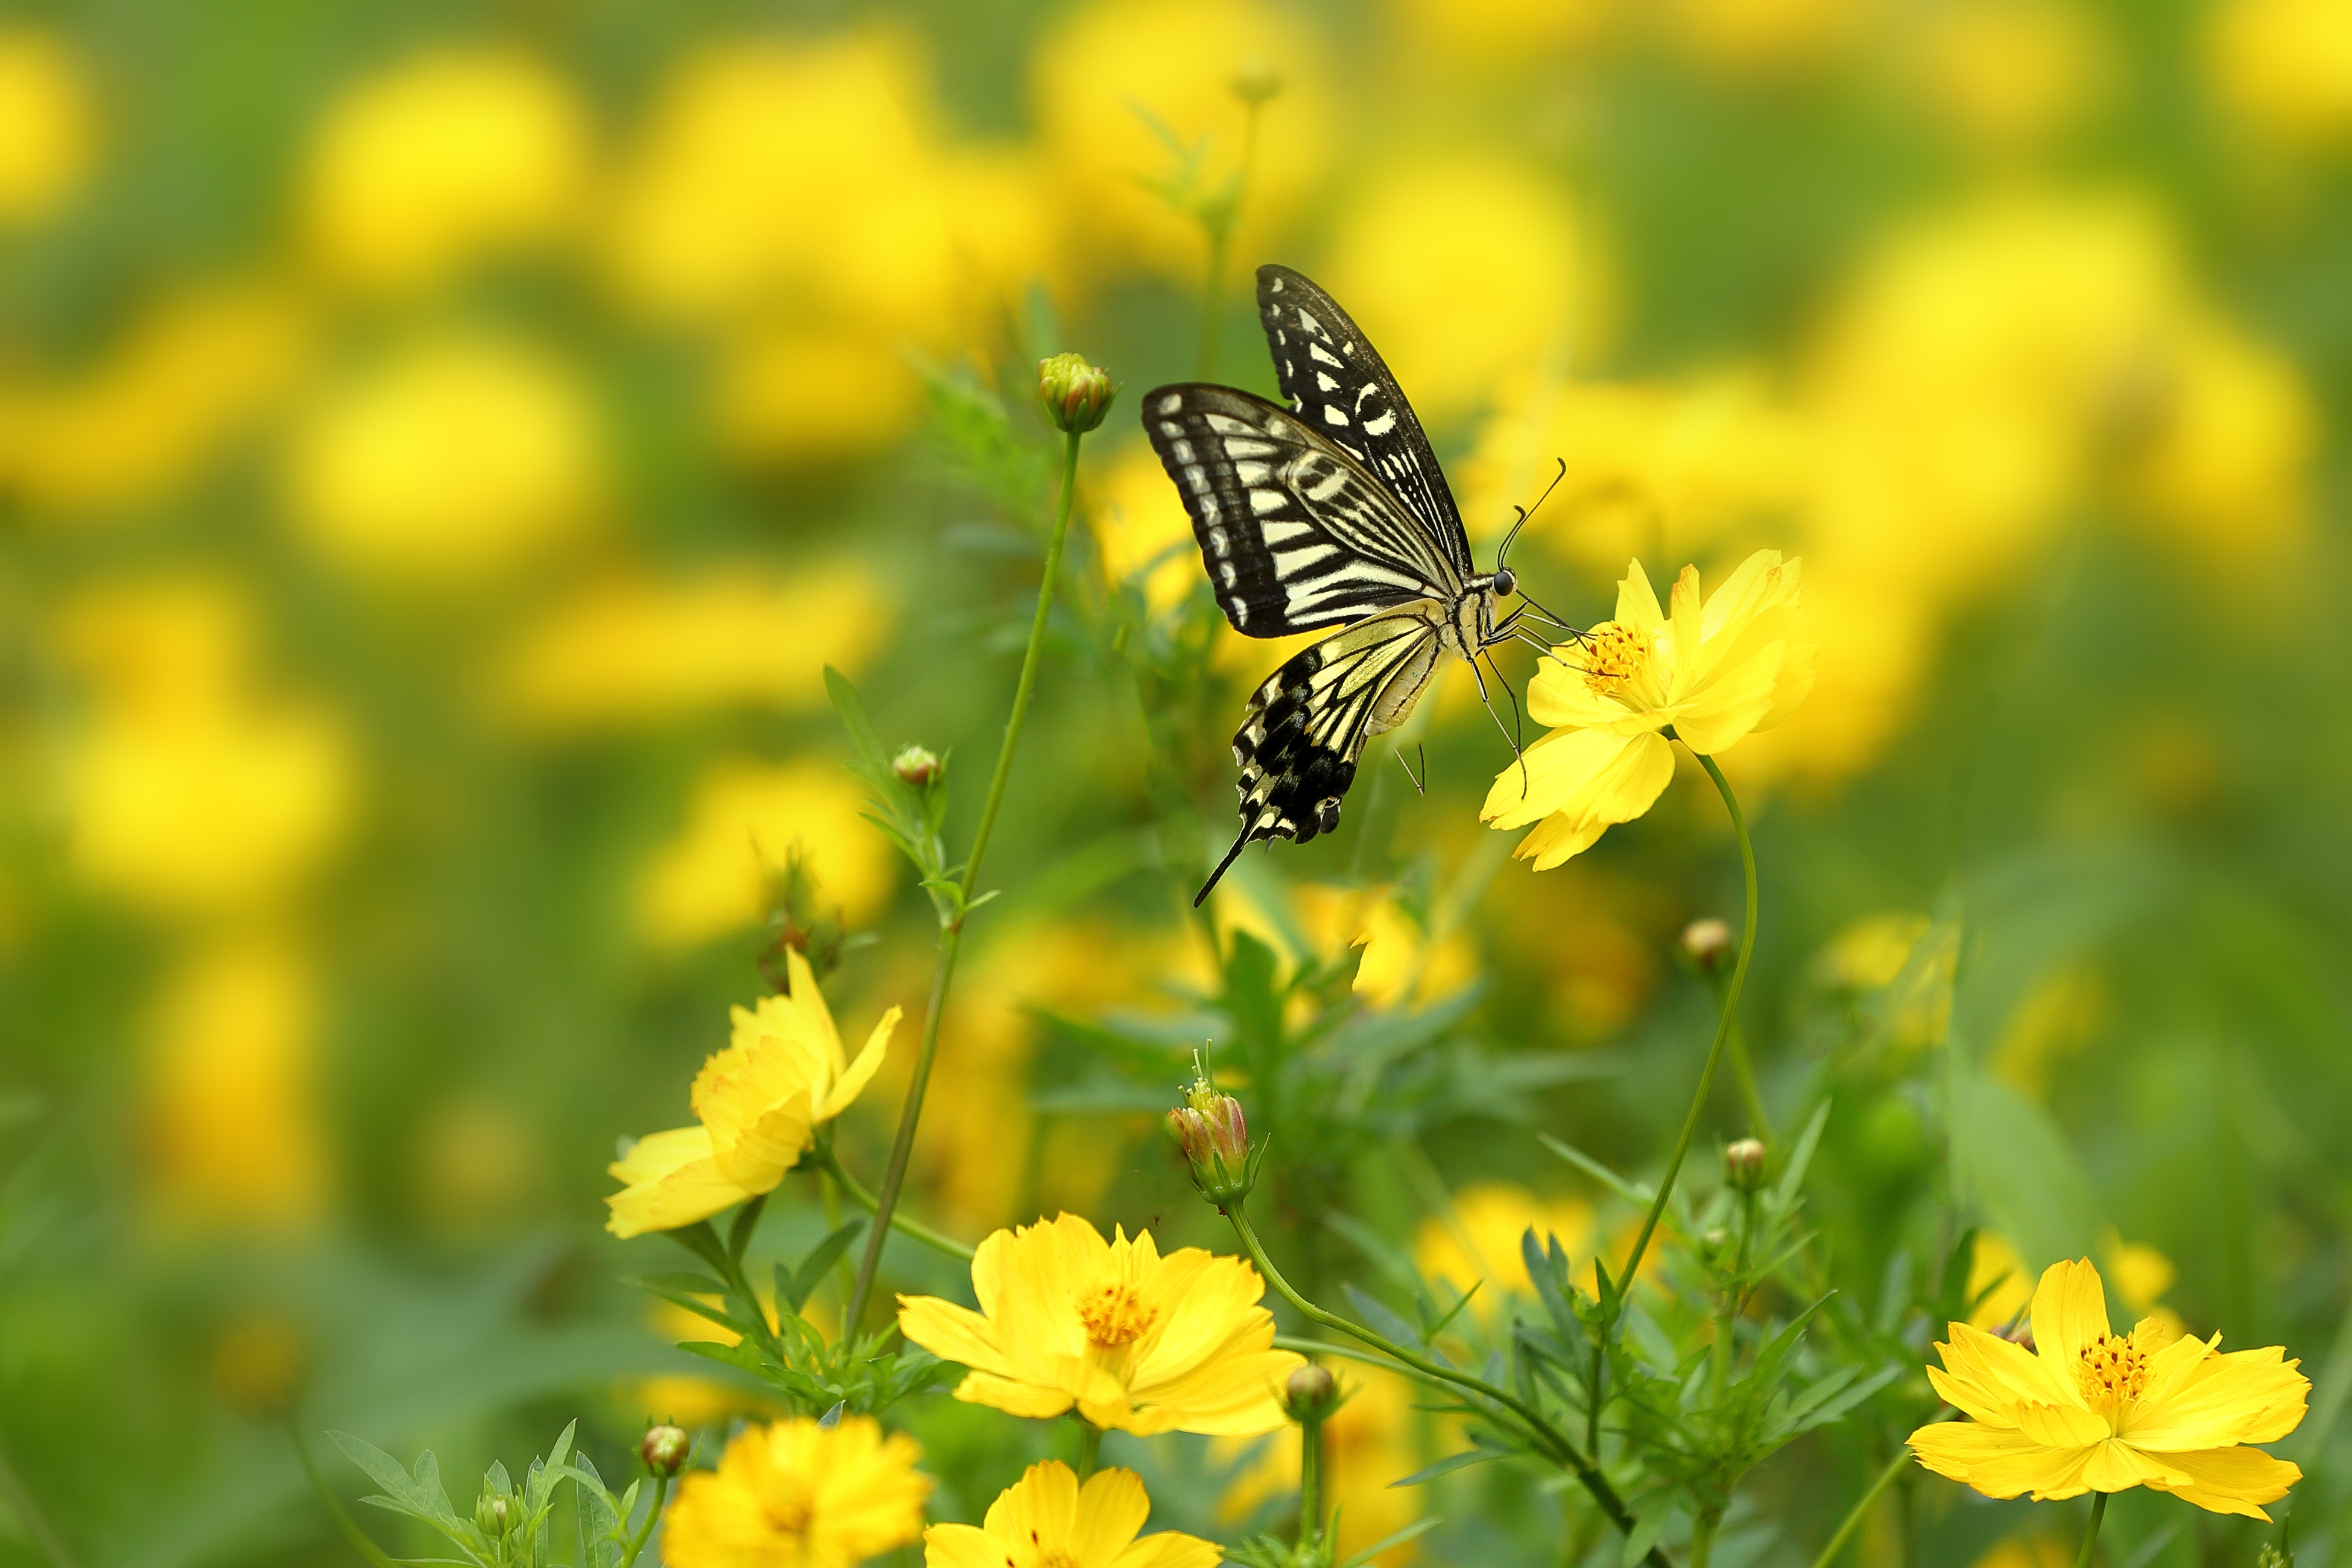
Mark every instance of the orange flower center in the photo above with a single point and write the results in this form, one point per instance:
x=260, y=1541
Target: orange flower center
x=787, y=1506
x=2112, y=1371
x=1613, y=655
x=1114, y=1317
x=1057, y=1559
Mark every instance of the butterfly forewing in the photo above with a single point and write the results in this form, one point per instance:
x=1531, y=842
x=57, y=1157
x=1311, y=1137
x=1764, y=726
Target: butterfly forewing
x=1341, y=388
x=1294, y=532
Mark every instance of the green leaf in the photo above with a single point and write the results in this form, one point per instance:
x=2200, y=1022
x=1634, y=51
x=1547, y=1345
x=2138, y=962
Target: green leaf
x=1447, y=1466
x=1638, y=1196
x=1383, y=1321
x=2010, y=1160
x=388, y=1473
x=851, y=710
x=1793, y=1174
x=803, y=1280
x=1412, y=1531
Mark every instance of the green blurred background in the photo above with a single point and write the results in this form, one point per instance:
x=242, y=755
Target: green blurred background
x=441, y=445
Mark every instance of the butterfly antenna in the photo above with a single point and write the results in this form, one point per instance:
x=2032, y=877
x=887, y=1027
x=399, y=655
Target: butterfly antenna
x=1224, y=866
x=1420, y=784
x=1527, y=511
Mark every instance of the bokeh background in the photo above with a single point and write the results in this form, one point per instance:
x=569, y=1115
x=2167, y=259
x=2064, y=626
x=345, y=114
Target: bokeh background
x=441, y=445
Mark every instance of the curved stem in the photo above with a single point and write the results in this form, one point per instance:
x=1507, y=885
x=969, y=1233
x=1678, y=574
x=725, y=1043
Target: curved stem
x=1547, y=1438
x=902, y=1147
x=912, y=1230
x=1861, y=1509
x=374, y=1554
x=644, y=1532
x=2091, y=1536
x=1722, y=1034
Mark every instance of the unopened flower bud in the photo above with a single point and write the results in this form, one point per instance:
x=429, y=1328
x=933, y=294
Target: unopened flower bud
x=1743, y=1164
x=493, y=1513
x=1310, y=1393
x=2273, y=1555
x=664, y=1450
x=1075, y=395
x=1215, y=1139
x=259, y=1369
x=1706, y=942
x=1256, y=79
x=1714, y=1241
x=918, y=766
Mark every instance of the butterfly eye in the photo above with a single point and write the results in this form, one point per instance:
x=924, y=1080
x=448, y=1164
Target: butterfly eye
x=1505, y=580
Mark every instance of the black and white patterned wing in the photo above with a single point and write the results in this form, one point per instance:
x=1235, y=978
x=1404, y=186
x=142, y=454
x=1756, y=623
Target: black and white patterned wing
x=1307, y=722
x=1294, y=532
x=1337, y=383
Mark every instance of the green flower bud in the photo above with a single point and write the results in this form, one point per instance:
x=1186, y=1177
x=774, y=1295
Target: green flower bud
x=918, y=766
x=1215, y=1135
x=1743, y=1164
x=1310, y=1393
x=1075, y=395
x=664, y=1449
x=1257, y=79
x=493, y=1513
x=1706, y=941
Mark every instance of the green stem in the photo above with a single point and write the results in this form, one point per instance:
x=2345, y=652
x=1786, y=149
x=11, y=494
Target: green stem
x=1547, y=1439
x=2091, y=1535
x=644, y=1532
x=1861, y=1509
x=1703, y=1530
x=902, y=1147
x=912, y=1230
x=1089, y=1447
x=35, y=1524
x=1714, y=1051
x=1310, y=1484
x=1743, y=1072
x=352, y=1532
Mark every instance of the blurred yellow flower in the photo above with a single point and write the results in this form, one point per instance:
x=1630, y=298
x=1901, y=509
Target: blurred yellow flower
x=2000, y=1284
x=448, y=156
x=45, y=126
x=2009, y=74
x=1477, y=1246
x=218, y=806
x=712, y=878
x=1102, y=66
x=1743, y=37
x=1369, y=1443
x=636, y=651
x=1161, y=1344
x=1714, y=672
x=1501, y=243
x=259, y=1367
x=798, y=1494
x=230, y=1127
x=479, y=1167
x=783, y=1074
x=788, y=393
x=1402, y=964
x=2225, y=466
x=1673, y=466
x=191, y=375
x=1507, y=32
x=2285, y=66
x=2087, y=1410
x=1140, y=527
x=1047, y=1519
x=458, y=459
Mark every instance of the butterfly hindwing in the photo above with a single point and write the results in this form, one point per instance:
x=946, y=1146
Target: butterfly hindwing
x=1294, y=532
x=1308, y=721
x=1341, y=388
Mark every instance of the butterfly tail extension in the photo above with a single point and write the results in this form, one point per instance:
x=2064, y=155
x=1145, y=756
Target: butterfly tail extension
x=1248, y=832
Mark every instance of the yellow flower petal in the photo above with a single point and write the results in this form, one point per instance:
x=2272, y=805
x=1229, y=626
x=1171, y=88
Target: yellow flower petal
x=673, y=1181
x=2070, y=1310
x=1587, y=780
x=2060, y=1426
x=1111, y=1508
x=1956, y=1448
x=2246, y=1397
x=860, y=1072
x=1637, y=602
x=961, y=1546
x=2233, y=1480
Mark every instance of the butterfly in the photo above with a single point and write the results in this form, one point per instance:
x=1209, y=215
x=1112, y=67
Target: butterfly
x=1331, y=512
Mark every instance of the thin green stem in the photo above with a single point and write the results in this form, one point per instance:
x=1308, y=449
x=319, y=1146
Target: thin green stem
x=35, y=1524
x=1703, y=1530
x=1089, y=1447
x=912, y=1230
x=1547, y=1438
x=1743, y=1073
x=1861, y=1509
x=644, y=1532
x=1310, y=1483
x=902, y=1147
x=367, y=1549
x=1714, y=1051
x=2091, y=1535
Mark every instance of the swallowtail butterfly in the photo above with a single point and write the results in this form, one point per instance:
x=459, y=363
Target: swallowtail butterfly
x=1332, y=513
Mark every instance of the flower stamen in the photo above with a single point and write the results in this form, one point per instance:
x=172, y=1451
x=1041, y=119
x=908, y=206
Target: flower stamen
x=2112, y=1371
x=1114, y=1316
x=1613, y=655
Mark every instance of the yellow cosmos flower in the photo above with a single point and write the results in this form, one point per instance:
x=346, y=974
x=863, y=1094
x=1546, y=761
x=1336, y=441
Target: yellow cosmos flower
x=1134, y=1341
x=757, y=1100
x=799, y=1495
x=1046, y=1518
x=2088, y=1410
x=1713, y=671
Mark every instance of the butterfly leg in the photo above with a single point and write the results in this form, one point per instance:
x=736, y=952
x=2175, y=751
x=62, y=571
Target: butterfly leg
x=1517, y=750
x=1420, y=784
x=1519, y=720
